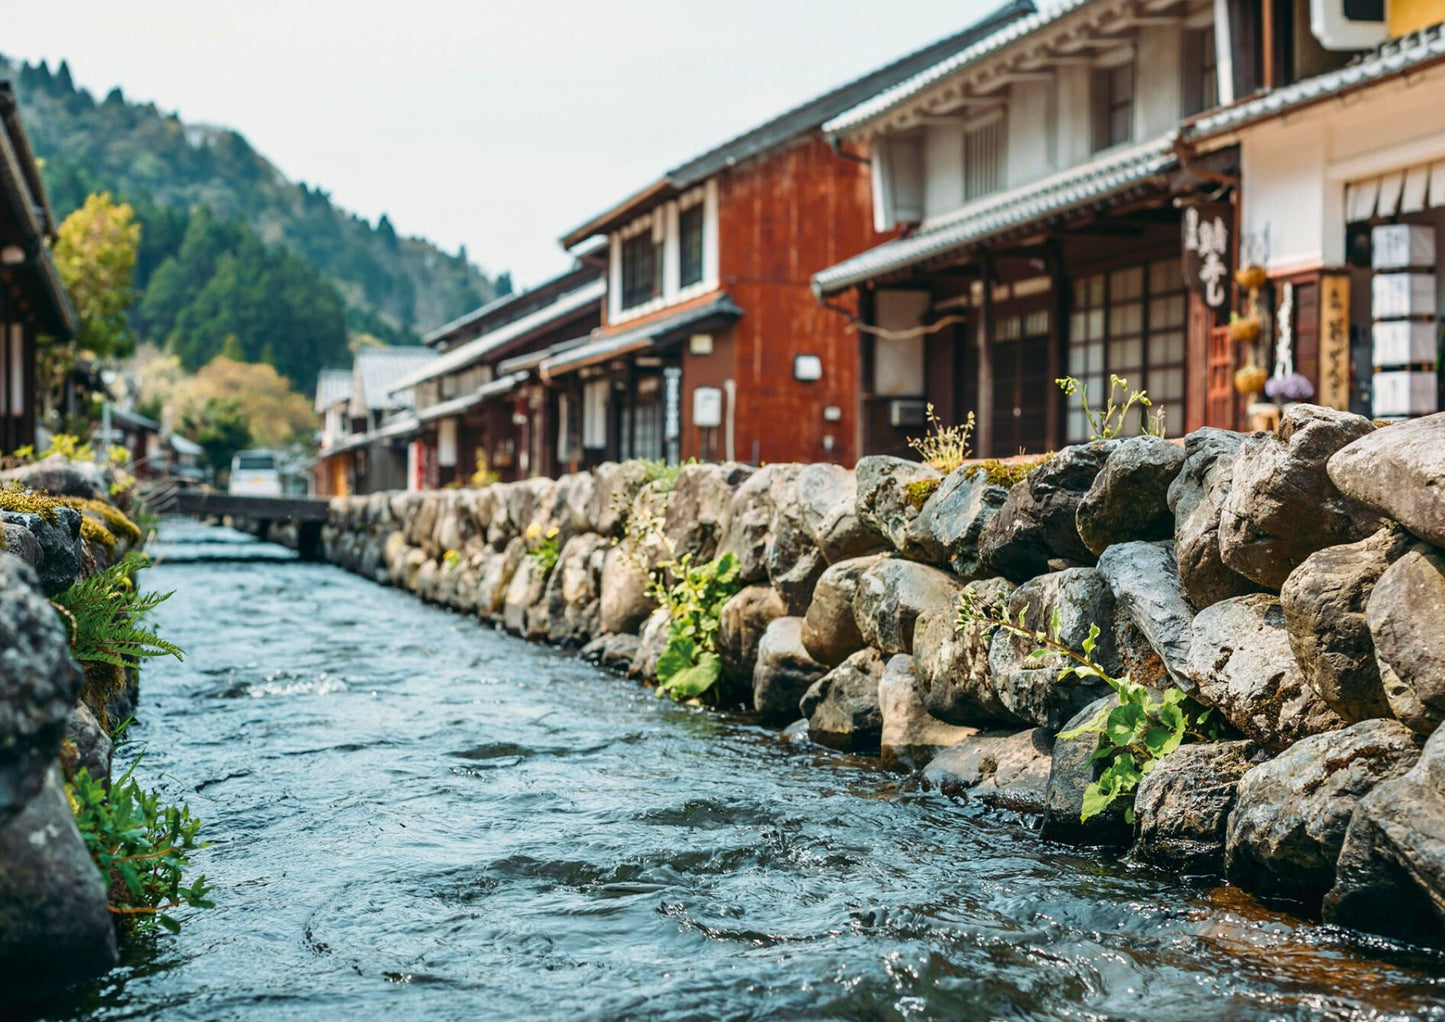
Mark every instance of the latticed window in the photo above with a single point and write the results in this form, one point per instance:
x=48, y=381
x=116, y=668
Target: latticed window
x=983, y=152
x=1129, y=322
x=1113, y=105
x=641, y=270
x=689, y=231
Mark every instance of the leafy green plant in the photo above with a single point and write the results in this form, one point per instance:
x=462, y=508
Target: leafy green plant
x=689, y=667
x=1109, y=423
x=1132, y=737
x=942, y=447
x=141, y=845
x=451, y=560
x=105, y=616
x=542, y=547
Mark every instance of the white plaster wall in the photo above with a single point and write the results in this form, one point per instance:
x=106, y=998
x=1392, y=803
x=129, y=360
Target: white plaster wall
x=1074, y=120
x=1158, y=80
x=1295, y=169
x=943, y=164
x=1030, y=153
x=898, y=362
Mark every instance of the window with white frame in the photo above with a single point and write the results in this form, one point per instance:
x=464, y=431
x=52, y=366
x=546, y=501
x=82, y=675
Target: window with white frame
x=594, y=415
x=641, y=269
x=691, y=225
x=1113, y=100
x=983, y=159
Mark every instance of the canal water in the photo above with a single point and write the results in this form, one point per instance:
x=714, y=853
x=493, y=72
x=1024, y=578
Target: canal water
x=414, y=816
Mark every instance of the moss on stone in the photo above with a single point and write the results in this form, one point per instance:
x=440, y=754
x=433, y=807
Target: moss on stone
x=920, y=490
x=1010, y=473
x=29, y=502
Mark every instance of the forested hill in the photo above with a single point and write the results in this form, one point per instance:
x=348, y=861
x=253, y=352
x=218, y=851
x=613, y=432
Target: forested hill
x=230, y=247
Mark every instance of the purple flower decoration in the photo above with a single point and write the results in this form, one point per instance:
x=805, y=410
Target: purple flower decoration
x=1293, y=387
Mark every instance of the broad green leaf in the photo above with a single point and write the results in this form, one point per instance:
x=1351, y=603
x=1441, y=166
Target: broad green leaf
x=1124, y=723
x=694, y=681
x=1096, y=800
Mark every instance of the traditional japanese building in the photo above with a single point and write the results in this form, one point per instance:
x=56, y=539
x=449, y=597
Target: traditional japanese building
x=33, y=303
x=711, y=344
x=473, y=415
x=1344, y=201
x=369, y=431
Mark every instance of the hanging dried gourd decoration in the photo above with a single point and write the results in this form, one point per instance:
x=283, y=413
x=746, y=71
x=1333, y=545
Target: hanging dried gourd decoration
x=1247, y=329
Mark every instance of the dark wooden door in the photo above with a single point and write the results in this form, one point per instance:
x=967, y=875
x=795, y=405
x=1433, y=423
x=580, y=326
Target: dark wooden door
x=1021, y=391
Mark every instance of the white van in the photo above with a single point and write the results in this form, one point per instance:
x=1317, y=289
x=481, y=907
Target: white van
x=254, y=474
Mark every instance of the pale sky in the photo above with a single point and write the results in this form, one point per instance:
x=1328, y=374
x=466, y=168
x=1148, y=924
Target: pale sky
x=494, y=125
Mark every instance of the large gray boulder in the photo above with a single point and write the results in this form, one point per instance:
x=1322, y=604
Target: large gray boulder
x=60, y=477
x=1129, y=499
x=699, y=506
x=573, y=594
x=1282, y=506
x=891, y=493
x=741, y=625
x=1291, y=813
x=1196, y=498
x=892, y=594
x=651, y=642
x=524, y=611
x=748, y=524
x=954, y=678
x=830, y=628
x=1390, y=877
x=1031, y=688
x=1144, y=579
x=1072, y=771
x=39, y=681
x=494, y=577
x=612, y=651
x=1036, y=526
x=1240, y=662
x=842, y=706
x=20, y=542
x=827, y=498
x=1406, y=615
x=948, y=527
x=1182, y=806
x=571, y=509
x=626, y=591
x=794, y=560
x=91, y=744
x=614, y=487
x=55, y=929
x=784, y=671
x=911, y=736
x=62, y=552
x=1008, y=771
x=1399, y=472
x=1324, y=603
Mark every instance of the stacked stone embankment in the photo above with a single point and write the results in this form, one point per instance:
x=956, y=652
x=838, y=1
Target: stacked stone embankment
x=55, y=927
x=1293, y=581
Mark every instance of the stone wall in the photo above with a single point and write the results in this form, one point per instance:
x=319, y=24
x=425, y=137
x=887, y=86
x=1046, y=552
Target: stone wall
x=55, y=928
x=1294, y=581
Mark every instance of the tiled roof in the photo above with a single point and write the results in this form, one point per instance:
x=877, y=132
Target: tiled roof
x=473, y=351
x=1394, y=57
x=496, y=388
x=975, y=49
x=376, y=371
x=1079, y=186
x=807, y=116
x=333, y=386
x=719, y=308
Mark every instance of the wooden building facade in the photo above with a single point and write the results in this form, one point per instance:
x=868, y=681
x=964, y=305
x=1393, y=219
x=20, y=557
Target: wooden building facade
x=33, y=302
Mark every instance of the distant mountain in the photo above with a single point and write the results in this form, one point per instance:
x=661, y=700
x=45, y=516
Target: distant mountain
x=230, y=247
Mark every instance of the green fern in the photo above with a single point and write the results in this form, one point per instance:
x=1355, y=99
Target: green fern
x=105, y=615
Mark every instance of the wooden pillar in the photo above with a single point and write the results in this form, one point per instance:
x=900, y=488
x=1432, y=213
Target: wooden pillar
x=985, y=359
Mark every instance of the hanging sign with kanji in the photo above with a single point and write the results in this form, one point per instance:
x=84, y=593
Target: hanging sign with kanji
x=1208, y=253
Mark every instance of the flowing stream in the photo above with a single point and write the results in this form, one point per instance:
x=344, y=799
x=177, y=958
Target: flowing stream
x=416, y=816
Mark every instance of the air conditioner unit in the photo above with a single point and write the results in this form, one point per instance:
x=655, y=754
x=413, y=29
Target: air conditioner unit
x=1348, y=24
x=905, y=414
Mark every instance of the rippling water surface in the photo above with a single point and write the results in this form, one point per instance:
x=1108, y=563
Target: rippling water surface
x=414, y=816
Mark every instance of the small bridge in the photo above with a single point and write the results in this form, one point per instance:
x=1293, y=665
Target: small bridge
x=260, y=515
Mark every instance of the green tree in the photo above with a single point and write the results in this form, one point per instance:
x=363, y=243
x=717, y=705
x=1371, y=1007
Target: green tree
x=222, y=428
